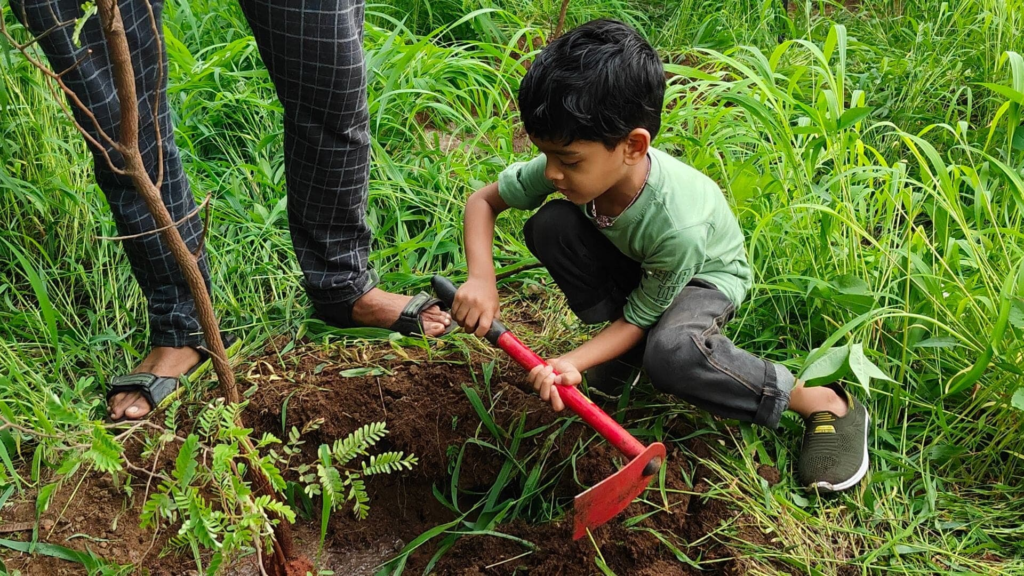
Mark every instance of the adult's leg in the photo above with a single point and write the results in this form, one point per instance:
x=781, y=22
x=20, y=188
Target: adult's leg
x=314, y=54
x=173, y=323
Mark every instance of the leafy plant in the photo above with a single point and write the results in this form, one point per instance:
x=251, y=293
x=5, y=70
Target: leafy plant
x=335, y=477
x=234, y=521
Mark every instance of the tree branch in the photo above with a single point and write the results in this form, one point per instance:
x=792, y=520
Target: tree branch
x=124, y=81
x=58, y=78
x=81, y=129
x=149, y=189
x=561, y=19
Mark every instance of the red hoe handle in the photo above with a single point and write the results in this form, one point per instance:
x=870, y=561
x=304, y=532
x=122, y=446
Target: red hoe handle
x=604, y=424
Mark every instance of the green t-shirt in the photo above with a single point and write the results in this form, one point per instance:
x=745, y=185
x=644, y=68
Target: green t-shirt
x=679, y=228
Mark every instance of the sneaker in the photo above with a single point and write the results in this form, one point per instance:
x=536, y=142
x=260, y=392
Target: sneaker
x=835, y=451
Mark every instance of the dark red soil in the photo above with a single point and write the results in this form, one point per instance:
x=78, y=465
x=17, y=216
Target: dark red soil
x=428, y=414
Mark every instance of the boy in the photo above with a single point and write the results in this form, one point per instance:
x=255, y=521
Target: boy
x=645, y=242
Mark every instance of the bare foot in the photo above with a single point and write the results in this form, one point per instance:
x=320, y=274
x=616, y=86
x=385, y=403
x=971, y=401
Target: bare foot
x=162, y=361
x=382, y=309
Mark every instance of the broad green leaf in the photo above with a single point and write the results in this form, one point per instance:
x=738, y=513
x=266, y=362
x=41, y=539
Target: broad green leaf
x=1018, y=399
x=943, y=453
x=4, y=98
x=356, y=372
x=44, y=496
x=863, y=368
x=87, y=559
x=850, y=284
x=938, y=342
x=1017, y=309
x=854, y=115
x=829, y=367
x=6, y=458
x=1009, y=93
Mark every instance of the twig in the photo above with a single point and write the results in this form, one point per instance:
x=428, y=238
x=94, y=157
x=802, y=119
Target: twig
x=527, y=553
x=23, y=48
x=561, y=20
x=12, y=426
x=259, y=555
x=35, y=37
x=135, y=425
x=158, y=230
x=381, y=392
x=45, y=524
x=58, y=78
x=517, y=270
x=149, y=473
x=202, y=234
x=152, y=543
x=156, y=460
x=81, y=129
x=88, y=52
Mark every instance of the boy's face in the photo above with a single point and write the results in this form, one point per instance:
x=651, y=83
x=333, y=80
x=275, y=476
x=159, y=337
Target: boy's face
x=584, y=170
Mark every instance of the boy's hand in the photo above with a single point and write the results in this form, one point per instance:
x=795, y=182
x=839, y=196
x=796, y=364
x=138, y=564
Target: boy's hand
x=476, y=305
x=545, y=381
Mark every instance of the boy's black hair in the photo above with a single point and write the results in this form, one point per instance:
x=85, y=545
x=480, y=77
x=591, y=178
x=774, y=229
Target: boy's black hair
x=598, y=82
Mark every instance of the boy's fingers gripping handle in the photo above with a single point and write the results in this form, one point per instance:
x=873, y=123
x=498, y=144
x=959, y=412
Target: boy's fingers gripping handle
x=446, y=289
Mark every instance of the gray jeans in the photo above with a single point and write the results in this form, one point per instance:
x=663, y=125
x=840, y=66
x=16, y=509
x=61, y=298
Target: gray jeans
x=685, y=353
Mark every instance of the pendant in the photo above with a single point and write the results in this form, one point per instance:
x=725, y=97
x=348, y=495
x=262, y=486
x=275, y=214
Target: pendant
x=600, y=220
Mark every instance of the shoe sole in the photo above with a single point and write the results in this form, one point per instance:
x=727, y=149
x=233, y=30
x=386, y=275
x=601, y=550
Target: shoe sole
x=857, y=476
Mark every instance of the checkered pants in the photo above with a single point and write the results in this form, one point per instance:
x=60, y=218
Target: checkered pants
x=313, y=51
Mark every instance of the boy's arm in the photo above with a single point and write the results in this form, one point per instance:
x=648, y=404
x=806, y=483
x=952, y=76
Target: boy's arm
x=668, y=268
x=482, y=210
x=476, y=302
x=614, y=341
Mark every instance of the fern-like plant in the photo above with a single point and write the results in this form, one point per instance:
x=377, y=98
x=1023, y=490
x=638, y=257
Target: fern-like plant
x=340, y=482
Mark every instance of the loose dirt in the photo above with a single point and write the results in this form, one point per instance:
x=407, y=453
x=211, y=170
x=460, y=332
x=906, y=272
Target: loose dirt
x=428, y=414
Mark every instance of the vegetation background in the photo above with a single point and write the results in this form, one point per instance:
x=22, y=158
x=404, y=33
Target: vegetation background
x=873, y=152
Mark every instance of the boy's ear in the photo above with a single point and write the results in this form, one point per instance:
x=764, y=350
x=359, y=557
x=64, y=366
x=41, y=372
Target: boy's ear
x=637, y=143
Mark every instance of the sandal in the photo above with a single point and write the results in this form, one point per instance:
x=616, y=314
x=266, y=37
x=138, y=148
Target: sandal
x=409, y=323
x=159, y=391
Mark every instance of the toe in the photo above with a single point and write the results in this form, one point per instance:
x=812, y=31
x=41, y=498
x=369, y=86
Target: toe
x=433, y=328
x=137, y=409
x=115, y=406
x=134, y=412
x=131, y=405
x=435, y=320
x=435, y=314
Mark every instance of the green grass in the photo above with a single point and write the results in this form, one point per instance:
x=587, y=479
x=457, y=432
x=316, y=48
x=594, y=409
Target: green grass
x=874, y=160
